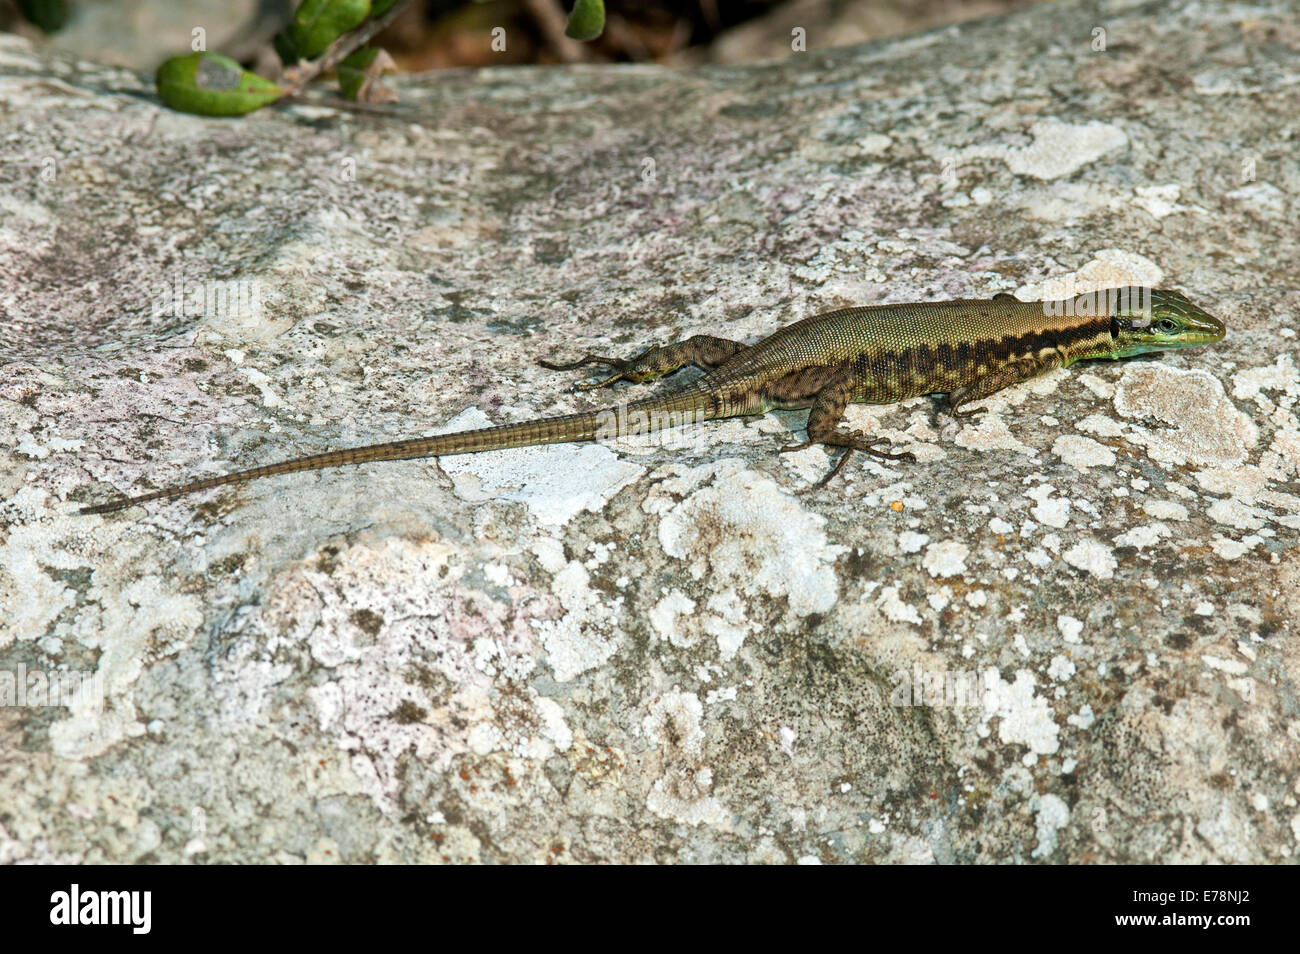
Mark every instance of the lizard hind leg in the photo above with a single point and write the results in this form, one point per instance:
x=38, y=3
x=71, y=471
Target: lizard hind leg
x=704, y=351
x=823, y=428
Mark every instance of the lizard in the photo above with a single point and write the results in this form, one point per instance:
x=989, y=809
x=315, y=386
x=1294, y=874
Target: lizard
x=967, y=349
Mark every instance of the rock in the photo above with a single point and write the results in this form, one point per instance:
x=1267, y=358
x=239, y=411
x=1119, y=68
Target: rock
x=1065, y=634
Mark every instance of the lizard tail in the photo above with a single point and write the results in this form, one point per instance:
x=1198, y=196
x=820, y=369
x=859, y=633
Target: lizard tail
x=639, y=417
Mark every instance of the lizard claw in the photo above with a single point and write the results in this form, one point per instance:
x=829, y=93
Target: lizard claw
x=604, y=382
x=959, y=412
x=888, y=455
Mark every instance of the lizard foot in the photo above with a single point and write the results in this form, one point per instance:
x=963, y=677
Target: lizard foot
x=849, y=444
x=622, y=369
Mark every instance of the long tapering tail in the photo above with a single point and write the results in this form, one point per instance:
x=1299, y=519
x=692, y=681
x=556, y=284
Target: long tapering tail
x=638, y=417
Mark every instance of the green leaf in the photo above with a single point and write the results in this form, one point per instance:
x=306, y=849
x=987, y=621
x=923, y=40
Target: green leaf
x=318, y=23
x=209, y=84
x=49, y=15
x=586, y=20
x=379, y=7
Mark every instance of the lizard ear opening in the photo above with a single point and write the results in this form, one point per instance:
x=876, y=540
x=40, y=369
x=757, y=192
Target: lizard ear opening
x=1114, y=329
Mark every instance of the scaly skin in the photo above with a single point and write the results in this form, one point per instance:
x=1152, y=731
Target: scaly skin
x=879, y=354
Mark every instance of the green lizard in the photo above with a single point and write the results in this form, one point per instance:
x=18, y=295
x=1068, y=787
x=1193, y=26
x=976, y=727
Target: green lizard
x=876, y=354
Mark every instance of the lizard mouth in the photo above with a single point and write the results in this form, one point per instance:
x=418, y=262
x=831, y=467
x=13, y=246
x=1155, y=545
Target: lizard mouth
x=1203, y=329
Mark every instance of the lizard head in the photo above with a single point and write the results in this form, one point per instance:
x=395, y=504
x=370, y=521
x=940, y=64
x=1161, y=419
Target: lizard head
x=1153, y=320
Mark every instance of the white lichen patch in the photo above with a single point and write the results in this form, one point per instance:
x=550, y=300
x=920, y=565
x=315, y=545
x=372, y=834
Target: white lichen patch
x=1285, y=452
x=550, y=554
x=28, y=446
x=666, y=618
x=873, y=421
x=1092, y=558
x=845, y=254
x=1108, y=268
x=1049, y=511
x=874, y=144
x=582, y=638
x=1143, y=535
x=1083, y=719
x=810, y=464
x=1058, y=149
x=555, y=482
x=263, y=383
x=1098, y=386
x=894, y=609
x=1051, y=814
x=30, y=597
x=1194, y=421
x=1160, y=201
x=1063, y=202
x=673, y=722
x=726, y=621
x=901, y=492
x=1229, y=549
x=684, y=791
x=1164, y=509
x=740, y=530
x=130, y=624
x=1281, y=375
x=1234, y=667
x=1024, y=717
x=1245, y=480
x=909, y=541
x=945, y=558
x=1083, y=452
x=1061, y=668
x=1237, y=514
x=686, y=796
x=991, y=432
x=1101, y=425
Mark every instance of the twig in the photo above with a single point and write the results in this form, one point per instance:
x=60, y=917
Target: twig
x=341, y=49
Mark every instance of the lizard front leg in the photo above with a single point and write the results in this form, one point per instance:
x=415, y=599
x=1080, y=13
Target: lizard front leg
x=704, y=351
x=823, y=428
x=994, y=381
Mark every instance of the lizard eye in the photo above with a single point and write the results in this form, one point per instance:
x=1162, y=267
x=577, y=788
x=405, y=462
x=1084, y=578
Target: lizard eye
x=1167, y=326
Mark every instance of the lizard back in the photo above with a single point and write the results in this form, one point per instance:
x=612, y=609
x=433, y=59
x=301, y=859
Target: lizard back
x=899, y=351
